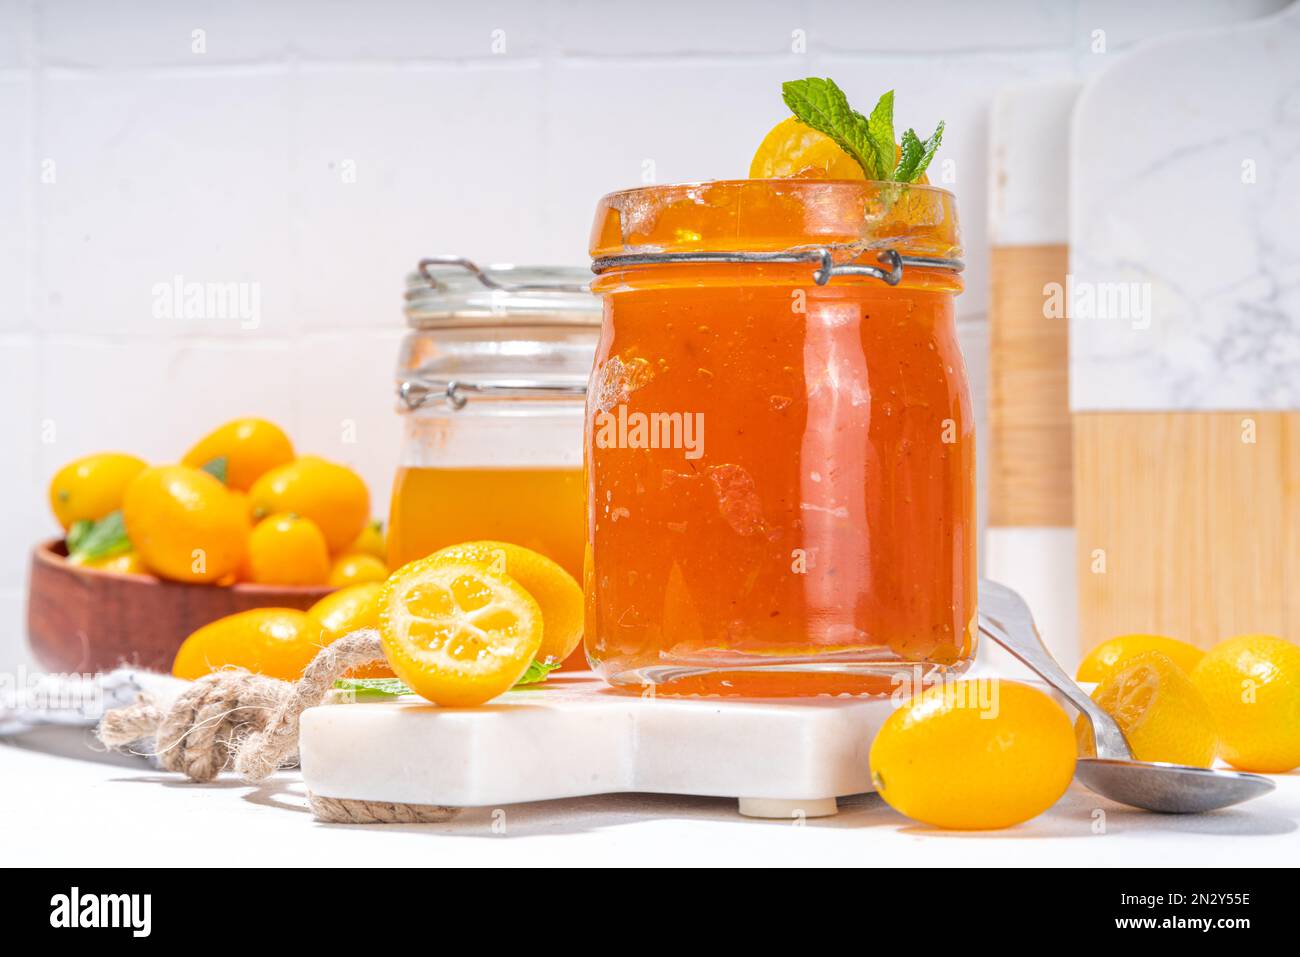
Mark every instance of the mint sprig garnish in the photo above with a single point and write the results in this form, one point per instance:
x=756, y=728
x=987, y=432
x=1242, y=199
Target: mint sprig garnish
x=382, y=689
x=820, y=104
x=217, y=468
x=77, y=533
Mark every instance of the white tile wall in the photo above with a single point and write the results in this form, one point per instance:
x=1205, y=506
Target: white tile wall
x=15, y=33
x=16, y=198
x=392, y=163
x=25, y=511
x=674, y=28
x=317, y=148
x=386, y=31
x=187, y=175
x=1126, y=22
x=20, y=430
x=152, y=33
x=951, y=26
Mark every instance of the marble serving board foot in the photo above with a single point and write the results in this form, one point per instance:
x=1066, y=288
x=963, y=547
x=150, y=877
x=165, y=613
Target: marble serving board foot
x=574, y=736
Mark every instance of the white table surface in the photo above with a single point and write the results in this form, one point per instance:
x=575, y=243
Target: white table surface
x=62, y=803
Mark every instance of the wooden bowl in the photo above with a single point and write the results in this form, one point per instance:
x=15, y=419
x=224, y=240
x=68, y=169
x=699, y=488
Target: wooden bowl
x=85, y=620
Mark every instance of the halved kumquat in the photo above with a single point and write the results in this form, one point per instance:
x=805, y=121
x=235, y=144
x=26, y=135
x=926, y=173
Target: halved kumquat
x=456, y=633
x=557, y=592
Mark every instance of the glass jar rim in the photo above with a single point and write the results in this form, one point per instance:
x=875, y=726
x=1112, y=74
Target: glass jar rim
x=461, y=294
x=848, y=218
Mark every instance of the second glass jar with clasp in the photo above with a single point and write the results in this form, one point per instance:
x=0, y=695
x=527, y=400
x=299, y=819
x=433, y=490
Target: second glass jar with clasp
x=491, y=378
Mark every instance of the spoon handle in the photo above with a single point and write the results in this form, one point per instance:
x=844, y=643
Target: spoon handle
x=1004, y=617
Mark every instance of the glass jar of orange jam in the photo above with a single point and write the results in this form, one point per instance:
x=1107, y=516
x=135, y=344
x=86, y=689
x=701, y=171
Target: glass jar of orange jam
x=492, y=377
x=780, y=444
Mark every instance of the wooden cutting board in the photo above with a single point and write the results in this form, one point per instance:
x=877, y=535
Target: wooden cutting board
x=1190, y=524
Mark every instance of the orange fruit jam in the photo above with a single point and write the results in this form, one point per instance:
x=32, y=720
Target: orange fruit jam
x=805, y=524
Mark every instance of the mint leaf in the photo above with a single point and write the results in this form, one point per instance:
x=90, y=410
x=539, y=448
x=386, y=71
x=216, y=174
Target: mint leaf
x=880, y=131
x=104, y=538
x=217, y=468
x=914, y=156
x=537, y=672
x=385, y=689
x=77, y=533
x=910, y=151
x=375, y=689
x=821, y=104
x=931, y=147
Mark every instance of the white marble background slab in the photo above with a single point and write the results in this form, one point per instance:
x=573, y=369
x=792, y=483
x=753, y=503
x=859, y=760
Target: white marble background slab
x=1029, y=145
x=1185, y=180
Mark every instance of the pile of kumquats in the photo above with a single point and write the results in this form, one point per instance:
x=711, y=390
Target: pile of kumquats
x=459, y=627
x=241, y=506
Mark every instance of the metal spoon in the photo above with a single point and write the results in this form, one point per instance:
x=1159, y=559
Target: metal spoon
x=1113, y=773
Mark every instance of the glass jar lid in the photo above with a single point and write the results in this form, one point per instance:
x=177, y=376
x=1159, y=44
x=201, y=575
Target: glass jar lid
x=454, y=292
x=496, y=339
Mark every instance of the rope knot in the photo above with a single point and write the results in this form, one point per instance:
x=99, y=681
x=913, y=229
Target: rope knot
x=235, y=719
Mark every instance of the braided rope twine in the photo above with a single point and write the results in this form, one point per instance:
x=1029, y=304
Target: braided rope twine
x=234, y=720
